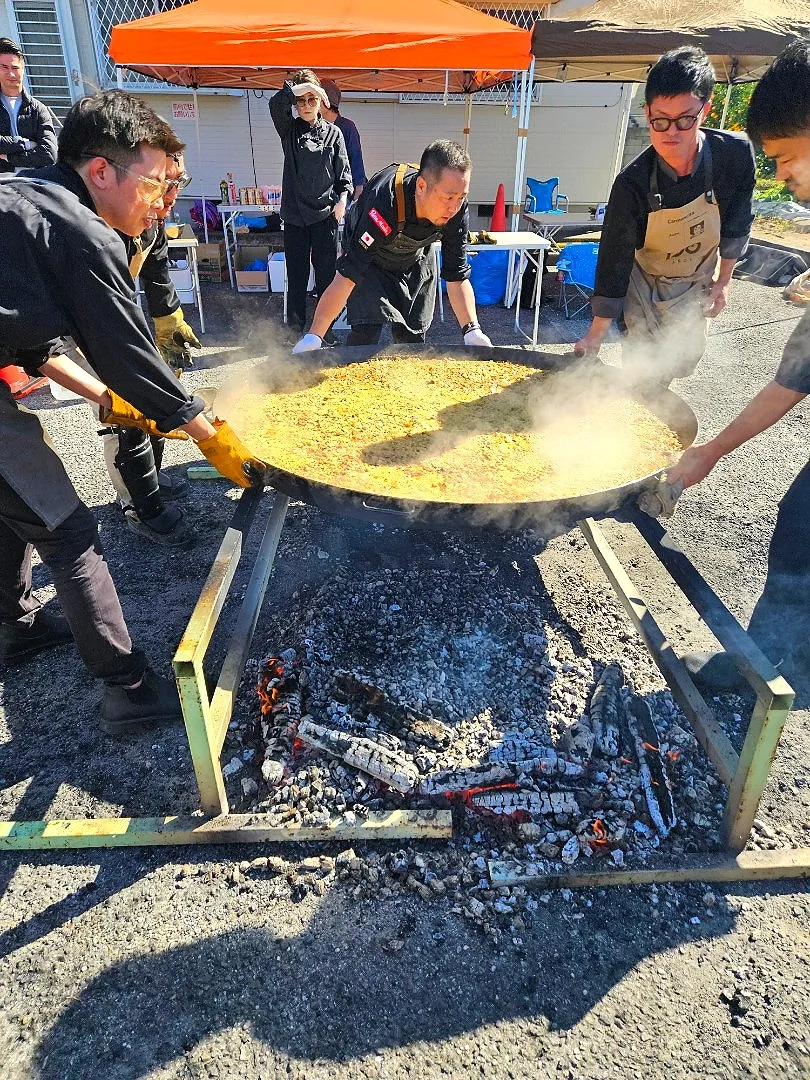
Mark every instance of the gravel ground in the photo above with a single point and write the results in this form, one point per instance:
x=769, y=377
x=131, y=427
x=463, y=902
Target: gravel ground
x=383, y=961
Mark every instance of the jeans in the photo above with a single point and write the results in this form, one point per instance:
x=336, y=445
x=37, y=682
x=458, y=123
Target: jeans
x=780, y=623
x=73, y=554
x=303, y=243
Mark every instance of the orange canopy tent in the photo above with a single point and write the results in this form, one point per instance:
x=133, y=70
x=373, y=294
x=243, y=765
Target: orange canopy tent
x=433, y=47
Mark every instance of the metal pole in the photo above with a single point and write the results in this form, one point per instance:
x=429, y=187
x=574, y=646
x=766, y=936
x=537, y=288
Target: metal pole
x=467, y=121
x=726, y=104
x=628, y=90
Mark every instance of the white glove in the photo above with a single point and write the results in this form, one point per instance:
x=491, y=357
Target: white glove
x=477, y=337
x=300, y=89
x=308, y=343
x=30, y=144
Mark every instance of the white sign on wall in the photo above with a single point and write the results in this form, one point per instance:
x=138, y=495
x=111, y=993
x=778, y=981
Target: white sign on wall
x=184, y=110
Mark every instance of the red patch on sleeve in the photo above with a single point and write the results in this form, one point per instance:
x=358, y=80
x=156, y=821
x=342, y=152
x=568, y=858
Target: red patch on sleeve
x=380, y=222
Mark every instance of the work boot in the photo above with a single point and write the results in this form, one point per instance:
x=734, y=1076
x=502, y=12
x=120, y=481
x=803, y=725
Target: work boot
x=19, y=642
x=171, y=486
x=714, y=671
x=166, y=528
x=155, y=701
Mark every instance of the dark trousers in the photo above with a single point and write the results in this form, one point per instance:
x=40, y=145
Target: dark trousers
x=72, y=553
x=369, y=334
x=780, y=623
x=304, y=243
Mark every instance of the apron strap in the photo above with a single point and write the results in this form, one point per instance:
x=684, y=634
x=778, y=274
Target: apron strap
x=399, y=193
x=654, y=200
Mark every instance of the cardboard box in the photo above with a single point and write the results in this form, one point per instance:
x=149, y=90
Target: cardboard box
x=252, y=280
x=211, y=262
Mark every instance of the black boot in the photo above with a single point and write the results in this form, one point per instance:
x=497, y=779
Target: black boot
x=155, y=701
x=19, y=642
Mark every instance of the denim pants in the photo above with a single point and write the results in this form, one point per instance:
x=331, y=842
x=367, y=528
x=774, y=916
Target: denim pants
x=72, y=553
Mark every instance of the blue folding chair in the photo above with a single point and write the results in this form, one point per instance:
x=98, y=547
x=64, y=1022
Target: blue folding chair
x=542, y=196
x=576, y=273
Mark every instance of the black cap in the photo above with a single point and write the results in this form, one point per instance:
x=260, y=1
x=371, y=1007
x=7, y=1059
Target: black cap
x=9, y=46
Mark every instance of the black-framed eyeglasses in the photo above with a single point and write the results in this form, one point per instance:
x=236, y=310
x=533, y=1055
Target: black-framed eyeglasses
x=180, y=182
x=149, y=187
x=682, y=123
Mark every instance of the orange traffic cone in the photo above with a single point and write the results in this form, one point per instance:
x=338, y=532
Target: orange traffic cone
x=498, y=223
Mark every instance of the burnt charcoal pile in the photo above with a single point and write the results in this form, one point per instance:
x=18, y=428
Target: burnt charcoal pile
x=442, y=688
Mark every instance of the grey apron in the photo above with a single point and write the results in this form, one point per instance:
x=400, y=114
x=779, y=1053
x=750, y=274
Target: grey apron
x=400, y=283
x=671, y=276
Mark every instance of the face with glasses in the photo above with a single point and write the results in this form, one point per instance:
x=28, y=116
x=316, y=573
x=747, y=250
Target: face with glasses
x=308, y=106
x=127, y=196
x=674, y=124
x=176, y=180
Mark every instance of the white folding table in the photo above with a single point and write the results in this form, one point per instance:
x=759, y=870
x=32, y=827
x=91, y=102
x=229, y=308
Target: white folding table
x=524, y=248
x=228, y=213
x=548, y=225
x=184, y=241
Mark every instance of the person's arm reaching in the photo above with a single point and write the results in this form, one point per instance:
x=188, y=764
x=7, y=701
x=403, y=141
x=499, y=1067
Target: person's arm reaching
x=330, y=305
x=770, y=405
x=462, y=301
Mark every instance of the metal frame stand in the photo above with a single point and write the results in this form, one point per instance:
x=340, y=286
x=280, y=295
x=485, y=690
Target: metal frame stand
x=206, y=719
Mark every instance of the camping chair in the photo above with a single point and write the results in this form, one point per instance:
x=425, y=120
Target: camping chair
x=542, y=197
x=576, y=273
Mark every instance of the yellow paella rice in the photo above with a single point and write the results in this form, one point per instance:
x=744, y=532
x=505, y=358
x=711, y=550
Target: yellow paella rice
x=469, y=431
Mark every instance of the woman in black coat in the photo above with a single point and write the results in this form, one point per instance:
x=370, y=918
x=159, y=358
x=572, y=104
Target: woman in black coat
x=316, y=185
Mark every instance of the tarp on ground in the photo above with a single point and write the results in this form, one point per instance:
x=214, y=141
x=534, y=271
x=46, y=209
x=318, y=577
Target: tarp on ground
x=429, y=47
x=619, y=40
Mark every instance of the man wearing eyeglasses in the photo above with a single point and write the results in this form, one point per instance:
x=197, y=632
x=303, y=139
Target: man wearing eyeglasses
x=65, y=274
x=133, y=457
x=27, y=137
x=677, y=220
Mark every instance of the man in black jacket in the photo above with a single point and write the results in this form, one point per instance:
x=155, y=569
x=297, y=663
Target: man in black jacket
x=65, y=274
x=27, y=138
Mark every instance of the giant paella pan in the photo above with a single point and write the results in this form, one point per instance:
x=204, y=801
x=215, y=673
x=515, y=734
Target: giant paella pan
x=457, y=438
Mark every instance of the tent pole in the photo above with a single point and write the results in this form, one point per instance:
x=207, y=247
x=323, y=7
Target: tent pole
x=467, y=121
x=628, y=90
x=199, y=159
x=726, y=104
x=526, y=86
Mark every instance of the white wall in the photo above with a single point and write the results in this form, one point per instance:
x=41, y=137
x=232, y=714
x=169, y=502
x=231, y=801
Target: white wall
x=572, y=134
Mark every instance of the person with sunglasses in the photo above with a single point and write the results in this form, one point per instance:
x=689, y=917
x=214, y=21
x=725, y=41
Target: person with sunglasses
x=678, y=218
x=65, y=274
x=315, y=188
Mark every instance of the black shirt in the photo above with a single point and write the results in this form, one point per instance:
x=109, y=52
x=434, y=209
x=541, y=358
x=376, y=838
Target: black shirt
x=374, y=226
x=625, y=224
x=316, y=165
x=34, y=122
x=65, y=274
x=158, y=287
x=794, y=368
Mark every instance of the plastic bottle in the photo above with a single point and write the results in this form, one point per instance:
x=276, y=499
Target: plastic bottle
x=232, y=190
x=223, y=191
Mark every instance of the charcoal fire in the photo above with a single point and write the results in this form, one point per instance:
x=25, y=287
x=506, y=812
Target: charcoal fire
x=537, y=759
x=654, y=779
x=451, y=781
x=535, y=803
x=396, y=770
x=394, y=717
x=606, y=711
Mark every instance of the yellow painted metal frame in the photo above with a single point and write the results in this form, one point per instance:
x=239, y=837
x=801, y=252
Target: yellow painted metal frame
x=206, y=720
x=746, y=773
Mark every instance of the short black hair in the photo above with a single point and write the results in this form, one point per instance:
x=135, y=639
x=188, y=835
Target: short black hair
x=780, y=105
x=111, y=124
x=443, y=154
x=686, y=70
x=9, y=46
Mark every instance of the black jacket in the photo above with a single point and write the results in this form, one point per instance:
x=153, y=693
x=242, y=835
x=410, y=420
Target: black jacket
x=65, y=274
x=34, y=122
x=316, y=165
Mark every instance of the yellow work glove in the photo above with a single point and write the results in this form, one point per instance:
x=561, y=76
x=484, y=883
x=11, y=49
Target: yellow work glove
x=122, y=414
x=175, y=339
x=233, y=459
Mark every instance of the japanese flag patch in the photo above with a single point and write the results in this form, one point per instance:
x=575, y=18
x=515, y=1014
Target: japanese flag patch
x=366, y=240
x=380, y=222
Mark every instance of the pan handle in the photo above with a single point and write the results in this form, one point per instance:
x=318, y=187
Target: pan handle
x=385, y=515
x=385, y=510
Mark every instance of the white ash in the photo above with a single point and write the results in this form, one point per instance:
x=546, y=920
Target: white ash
x=494, y=675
